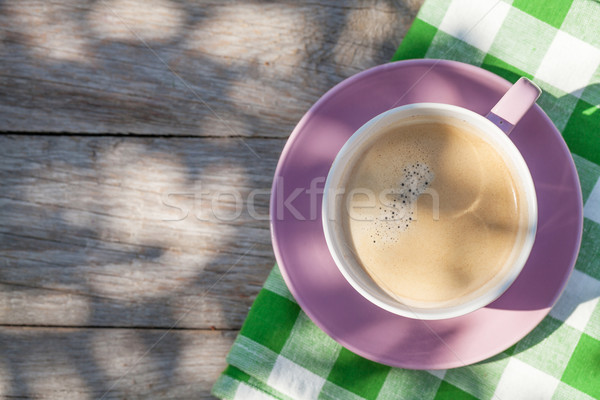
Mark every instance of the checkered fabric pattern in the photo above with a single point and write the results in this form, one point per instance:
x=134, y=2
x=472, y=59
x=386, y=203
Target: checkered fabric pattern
x=554, y=43
x=281, y=354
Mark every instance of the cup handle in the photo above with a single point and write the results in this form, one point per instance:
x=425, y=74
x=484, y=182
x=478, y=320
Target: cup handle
x=514, y=104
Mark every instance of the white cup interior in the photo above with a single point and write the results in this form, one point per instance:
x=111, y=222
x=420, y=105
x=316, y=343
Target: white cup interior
x=342, y=253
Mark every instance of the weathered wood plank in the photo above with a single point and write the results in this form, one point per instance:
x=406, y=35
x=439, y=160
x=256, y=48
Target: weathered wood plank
x=201, y=68
x=53, y=363
x=88, y=236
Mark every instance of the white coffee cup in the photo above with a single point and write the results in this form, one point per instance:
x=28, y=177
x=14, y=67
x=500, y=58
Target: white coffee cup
x=504, y=116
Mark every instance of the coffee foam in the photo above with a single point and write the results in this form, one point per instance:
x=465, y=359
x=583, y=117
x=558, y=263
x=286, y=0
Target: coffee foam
x=395, y=212
x=399, y=242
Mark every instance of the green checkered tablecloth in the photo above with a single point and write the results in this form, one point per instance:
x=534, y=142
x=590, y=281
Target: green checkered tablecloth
x=281, y=354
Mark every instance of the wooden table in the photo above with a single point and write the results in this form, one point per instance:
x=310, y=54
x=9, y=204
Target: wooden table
x=135, y=133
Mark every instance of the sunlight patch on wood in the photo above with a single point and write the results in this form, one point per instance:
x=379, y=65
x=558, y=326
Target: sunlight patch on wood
x=363, y=34
x=193, y=356
x=50, y=31
x=233, y=33
x=158, y=213
x=118, y=355
x=44, y=307
x=131, y=20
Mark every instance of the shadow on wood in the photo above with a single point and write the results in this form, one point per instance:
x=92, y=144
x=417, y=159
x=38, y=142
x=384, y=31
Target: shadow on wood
x=90, y=247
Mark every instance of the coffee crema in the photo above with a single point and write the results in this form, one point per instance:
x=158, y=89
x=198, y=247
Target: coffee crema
x=431, y=211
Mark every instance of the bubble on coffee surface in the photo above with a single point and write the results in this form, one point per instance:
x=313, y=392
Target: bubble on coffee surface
x=397, y=213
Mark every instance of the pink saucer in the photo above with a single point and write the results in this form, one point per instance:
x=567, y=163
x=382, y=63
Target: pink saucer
x=334, y=305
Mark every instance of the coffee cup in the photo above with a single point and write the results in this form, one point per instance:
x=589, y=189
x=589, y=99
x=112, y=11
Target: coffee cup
x=429, y=210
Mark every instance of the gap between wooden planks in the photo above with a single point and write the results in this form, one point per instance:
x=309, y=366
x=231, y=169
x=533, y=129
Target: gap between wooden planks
x=85, y=240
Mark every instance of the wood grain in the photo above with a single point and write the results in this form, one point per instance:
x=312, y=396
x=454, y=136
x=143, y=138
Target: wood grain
x=198, y=68
x=107, y=231
x=127, y=119
x=71, y=363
